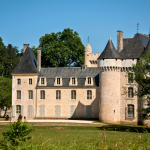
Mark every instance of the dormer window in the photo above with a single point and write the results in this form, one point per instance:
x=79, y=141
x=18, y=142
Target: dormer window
x=89, y=80
x=73, y=80
x=42, y=80
x=58, y=80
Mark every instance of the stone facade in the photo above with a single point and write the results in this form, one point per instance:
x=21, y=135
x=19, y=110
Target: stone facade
x=99, y=90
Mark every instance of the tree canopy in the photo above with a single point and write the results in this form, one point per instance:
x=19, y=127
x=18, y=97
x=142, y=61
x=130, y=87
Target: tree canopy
x=62, y=49
x=142, y=77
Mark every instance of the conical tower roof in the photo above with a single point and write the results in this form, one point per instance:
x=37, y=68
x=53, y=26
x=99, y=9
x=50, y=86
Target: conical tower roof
x=88, y=48
x=110, y=52
x=27, y=64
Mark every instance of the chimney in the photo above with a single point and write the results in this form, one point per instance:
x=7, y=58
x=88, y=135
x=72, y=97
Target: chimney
x=25, y=46
x=119, y=41
x=39, y=60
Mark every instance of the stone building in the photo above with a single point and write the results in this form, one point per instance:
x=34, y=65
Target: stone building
x=93, y=91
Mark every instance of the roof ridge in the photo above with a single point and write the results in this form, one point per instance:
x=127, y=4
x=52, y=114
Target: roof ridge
x=143, y=34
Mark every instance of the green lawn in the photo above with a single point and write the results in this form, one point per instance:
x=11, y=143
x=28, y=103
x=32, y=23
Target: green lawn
x=85, y=138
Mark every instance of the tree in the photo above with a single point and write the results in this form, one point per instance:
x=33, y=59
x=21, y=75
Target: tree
x=62, y=49
x=142, y=77
x=5, y=93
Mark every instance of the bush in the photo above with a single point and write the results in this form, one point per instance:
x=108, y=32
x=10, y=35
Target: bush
x=18, y=133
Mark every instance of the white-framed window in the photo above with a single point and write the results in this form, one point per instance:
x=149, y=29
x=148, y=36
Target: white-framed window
x=73, y=94
x=58, y=80
x=19, y=81
x=130, y=92
x=130, y=77
x=89, y=94
x=89, y=80
x=58, y=94
x=42, y=80
x=30, y=81
x=73, y=81
x=130, y=111
x=42, y=94
x=18, y=94
x=18, y=109
x=30, y=94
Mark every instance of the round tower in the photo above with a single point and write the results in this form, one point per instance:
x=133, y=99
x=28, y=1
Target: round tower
x=87, y=51
x=109, y=64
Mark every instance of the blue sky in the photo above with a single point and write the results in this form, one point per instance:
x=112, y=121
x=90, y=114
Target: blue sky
x=25, y=21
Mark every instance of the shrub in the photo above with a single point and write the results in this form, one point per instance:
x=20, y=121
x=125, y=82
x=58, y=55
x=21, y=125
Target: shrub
x=18, y=133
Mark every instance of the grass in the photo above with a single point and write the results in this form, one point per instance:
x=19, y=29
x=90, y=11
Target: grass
x=78, y=137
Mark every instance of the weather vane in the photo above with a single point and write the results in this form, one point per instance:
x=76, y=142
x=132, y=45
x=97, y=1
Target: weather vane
x=88, y=39
x=137, y=27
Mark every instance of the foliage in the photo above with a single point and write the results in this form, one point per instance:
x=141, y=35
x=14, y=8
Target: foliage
x=142, y=77
x=18, y=133
x=9, y=58
x=5, y=92
x=62, y=49
x=63, y=139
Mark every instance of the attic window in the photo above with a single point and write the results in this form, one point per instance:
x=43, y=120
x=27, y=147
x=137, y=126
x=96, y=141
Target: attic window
x=19, y=81
x=42, y=80
x=58, y=80
x=73, y=80
x=89, y=80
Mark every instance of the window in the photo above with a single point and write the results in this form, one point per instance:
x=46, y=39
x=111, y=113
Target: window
x=73, y=80
x=30, y=81
x=19, y=81
x=89, y=80
x=130, y=78
x=30, y=94
x=42, y=94
x=58, y=80
x=18, y=94
x=89, y=94
x=58, y=94
x=130, y=111
x=18, y=109
x=130, y=92
x=42, y=80
x=73, y=94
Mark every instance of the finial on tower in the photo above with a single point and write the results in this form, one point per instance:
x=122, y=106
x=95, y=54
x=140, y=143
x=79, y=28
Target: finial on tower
x=137, y=27
x=110, y=38
x=88, y=39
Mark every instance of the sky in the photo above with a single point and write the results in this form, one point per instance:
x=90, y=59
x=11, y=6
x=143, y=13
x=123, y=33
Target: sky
x=25, y=21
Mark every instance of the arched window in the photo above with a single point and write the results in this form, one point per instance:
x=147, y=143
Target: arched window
x=19, y=81
x=30, y=81
x=18, y=94
x=130, y=111
x=73, y=94
x=18, y=109
x=130, y=92
x=30, y=94
x=42, y=94
x=58, y=94
x=73, y=80
x=89, y=94
x=89, y=80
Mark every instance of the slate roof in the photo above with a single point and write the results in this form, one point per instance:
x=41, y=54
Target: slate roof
x=135, y=47
x=109, y=52
x=126, y=41
x=147, y=48
x=66, y=73
x=28, y=63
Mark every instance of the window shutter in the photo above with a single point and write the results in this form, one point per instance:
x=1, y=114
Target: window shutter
x=31, y=111
x=88, y=111
x=22, y=110
x=126, y=112
x=57, y=111
x=72, y=111
x=13, y=110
